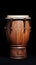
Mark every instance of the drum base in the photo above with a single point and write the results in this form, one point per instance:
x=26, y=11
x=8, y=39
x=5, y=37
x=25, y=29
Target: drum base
x=18, y=53
x=18, y=57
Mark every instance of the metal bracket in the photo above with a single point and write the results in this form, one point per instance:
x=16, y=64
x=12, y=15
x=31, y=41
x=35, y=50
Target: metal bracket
x=24, y=24
x=11, y=24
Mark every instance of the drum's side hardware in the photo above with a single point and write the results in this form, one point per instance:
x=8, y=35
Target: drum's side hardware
x=10, y=20
x=24, y=23
x=11, y=24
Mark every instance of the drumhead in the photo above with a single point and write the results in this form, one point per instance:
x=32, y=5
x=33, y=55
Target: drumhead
x=18, y=17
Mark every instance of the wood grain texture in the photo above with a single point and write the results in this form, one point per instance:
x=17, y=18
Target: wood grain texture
x=17, y=35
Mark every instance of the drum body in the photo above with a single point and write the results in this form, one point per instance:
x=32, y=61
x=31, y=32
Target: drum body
x=18, y=33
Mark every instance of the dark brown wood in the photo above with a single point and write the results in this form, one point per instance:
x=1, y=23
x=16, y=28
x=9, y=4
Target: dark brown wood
x=18, y=37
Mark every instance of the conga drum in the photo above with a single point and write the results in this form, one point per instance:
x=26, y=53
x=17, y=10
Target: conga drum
x=18, y=32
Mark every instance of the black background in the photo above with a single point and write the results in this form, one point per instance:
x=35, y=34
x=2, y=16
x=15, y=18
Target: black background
x=17, y=8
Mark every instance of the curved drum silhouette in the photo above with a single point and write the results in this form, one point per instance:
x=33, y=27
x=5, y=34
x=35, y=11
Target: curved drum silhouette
x=18, y=32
